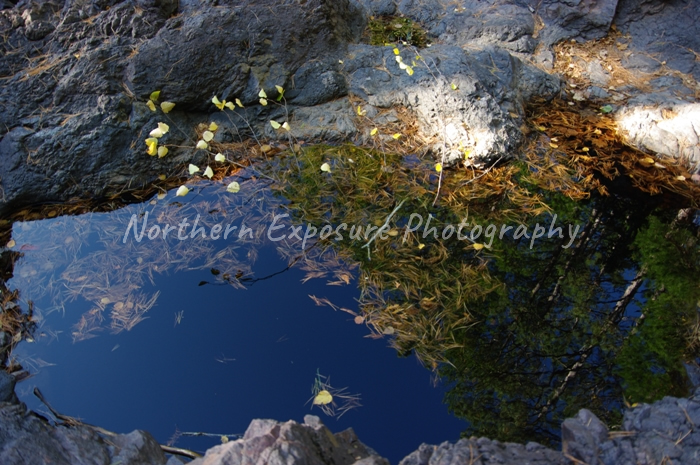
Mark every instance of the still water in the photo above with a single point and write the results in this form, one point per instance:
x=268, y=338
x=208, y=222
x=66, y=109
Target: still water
x=514, y=331
x=145, y=335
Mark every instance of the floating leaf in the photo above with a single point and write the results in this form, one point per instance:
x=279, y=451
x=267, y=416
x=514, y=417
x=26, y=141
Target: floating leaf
x=229, y=105
x=263, y=102
x=11, y=244
x=167, y=106
x=323, y=398
x=275, y=124
x=647, y=161
x=403, y=65
x=162, y=177
x=213, y=126
x=202, y=145
x=409, y=70
x=233, y=187
x=606, y=109
x=597, y=131
x=262, y=93
x=151, y=105
x=680, y=178
x=286, y=127
x=361, y=112
x=193, y=168
x=219, y=104
x=326, y=168
x=207, y=136
x=155, y=95
x=182, y=191
x=541, y=128
x=585, y=149
x=374, y=132
x=553, y=145
x=454, y=86
x=399, y=60
x=467, y=154
x=220, y=157
x=396, y=51
x=438, y=167
x=208, y=172
x=478, y=246
x=162, y=151
x=238, y=102
x=359, y=320
x=280, y=90
x=396, y=136
x=265, y=148
x=421, y=246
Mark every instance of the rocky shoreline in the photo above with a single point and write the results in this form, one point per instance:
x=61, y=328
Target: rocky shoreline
x=76, y=78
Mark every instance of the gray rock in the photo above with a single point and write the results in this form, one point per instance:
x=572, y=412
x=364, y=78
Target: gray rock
x=663, y=124
x=662, y=31
x=582, y=436
x=580, y=20
x=25, y=438
x=7, y=386
x=287, y=443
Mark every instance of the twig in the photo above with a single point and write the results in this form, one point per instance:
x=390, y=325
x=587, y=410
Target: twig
x=386, y=223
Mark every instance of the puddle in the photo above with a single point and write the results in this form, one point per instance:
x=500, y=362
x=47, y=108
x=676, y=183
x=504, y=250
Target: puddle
x=526, y=303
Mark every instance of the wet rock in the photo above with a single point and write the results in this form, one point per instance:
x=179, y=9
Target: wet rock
x=287, y=443
x=582, y=436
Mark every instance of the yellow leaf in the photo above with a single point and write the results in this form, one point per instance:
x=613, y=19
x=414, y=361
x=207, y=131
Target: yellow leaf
x=438, y=167
x=238, y=102
x=478, y=246
x=208, y=172
x=598, y=131
x=285, y=126
x=230, y=105
x=323, y=398
x=152, y=144
x=680, y=178
x=182, y=191
x=541, y=128
x=402, y=65
x=161, y=177
x=219, y=104
x=207, y=136
x=157, y=133
x=213, y=126
x=647, y=161
x=467, y=153
x=233, y=187
x=585, y=149
x=11, y=244
x=275, y=124
x=262, y=94
x=151, y=106
x=280, y=89
x=326, y=167
x=263, y=102
x=360, y=112
x=193, y=168
x=393, y=233
x=162, y=151
x=220, y=157
x=554, y=146
x=202, y=145
x=265, y=148
x=454, y=86
x=167, y=106
x=409, y=70
x=396, y=136
x=421, y=246
x=374, y=132
x=396, y=51
x=155, y=95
